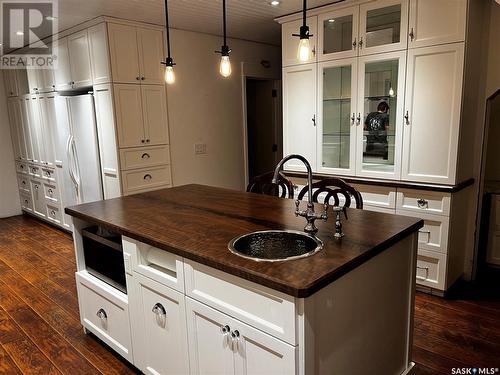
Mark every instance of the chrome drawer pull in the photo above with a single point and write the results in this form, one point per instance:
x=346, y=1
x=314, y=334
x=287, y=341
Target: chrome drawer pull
x=225, y=329
x=148, y=177
x=159, y=309
x=101, y=314
x=422, y=203
x=235, y=339
x=145, y=156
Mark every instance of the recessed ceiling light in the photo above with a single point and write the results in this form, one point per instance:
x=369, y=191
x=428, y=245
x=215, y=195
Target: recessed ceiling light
x=19, y=33
x=275, y=3
x=331, y=20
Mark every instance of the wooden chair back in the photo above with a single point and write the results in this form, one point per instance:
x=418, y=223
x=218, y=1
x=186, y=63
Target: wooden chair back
x=262, y=184
x=334, y=188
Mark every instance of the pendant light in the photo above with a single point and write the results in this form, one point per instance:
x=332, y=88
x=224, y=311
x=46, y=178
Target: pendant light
x=169, y=62
x=225, y=63
x=304, y=51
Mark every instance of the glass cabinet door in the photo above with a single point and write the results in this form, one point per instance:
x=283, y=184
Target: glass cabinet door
x=380, y=113
x=336, y=116
x=338, y=34
x=383, y=26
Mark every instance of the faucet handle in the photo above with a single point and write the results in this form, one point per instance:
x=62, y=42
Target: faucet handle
x=297, y=205
x=324, y=216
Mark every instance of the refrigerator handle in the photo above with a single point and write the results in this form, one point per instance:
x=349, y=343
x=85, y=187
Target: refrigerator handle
x=70, y=160
x=77, y=169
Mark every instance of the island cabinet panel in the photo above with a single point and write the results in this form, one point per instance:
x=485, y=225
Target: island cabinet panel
x=266, y=309
x=160, y=345
x=220, y=344
x=104, y=310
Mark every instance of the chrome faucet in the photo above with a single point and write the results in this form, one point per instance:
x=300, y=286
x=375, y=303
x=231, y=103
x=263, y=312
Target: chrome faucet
x=309, y=213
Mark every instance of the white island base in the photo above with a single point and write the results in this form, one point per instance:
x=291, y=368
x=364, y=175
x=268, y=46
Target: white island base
x=182, y=317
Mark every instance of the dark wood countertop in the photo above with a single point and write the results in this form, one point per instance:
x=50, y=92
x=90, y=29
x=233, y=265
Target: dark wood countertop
x=388, y=183
x=197, y=222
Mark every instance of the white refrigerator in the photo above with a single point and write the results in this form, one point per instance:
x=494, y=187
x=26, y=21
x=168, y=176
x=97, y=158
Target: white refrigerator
x=77, y=150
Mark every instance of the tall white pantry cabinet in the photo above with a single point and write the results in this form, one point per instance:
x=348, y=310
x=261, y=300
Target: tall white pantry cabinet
x=418, y=57
x=126, y=79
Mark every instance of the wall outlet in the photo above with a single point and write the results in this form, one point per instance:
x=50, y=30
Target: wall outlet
x=200, y=148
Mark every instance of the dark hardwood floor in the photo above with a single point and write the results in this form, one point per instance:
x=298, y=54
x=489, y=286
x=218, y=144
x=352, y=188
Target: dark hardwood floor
x=40, y=332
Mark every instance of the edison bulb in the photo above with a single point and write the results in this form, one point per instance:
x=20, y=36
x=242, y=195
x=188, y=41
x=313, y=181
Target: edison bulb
x=225, y=66
x=304, y=52
x=391, y=92
x=169, y=75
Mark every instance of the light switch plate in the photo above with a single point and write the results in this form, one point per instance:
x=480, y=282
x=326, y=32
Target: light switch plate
x=200, y=148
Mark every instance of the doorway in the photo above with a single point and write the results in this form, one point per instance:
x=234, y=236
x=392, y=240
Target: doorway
x=488, y=249
x=264, y=125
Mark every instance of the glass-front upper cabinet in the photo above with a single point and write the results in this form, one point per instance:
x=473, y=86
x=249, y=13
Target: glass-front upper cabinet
x=337, y=88
x=383, y=26
x=338, y=34
x=380, y=113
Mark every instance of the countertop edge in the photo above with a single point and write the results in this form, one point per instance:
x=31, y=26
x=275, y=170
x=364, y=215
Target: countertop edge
x=251, y=276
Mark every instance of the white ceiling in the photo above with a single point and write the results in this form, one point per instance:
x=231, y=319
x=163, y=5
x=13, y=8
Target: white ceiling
x=247, y=19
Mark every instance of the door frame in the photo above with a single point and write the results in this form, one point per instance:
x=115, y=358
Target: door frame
x=255, y=71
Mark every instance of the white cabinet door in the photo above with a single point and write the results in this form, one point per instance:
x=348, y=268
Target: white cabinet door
x=129, y=115
x=379, y=118
x=33, y=80
x=62, y=74
x=110, y=171
x=436, y=22
x=219, y=344
x=383, y=25
x=299, y=114
x=35, y=130
x=337, y=93
x=10, y=80
x=210, y=350
x=338, y=34
x=13, y=110
x=48, y=126
x=25, y=119
x=22, y=81
x=154, y=109
x=39, y=205
x=161, y=339
x=124, y=52
x=79, y=58
x=99, y=54
x=150, y=55
x=433, y=106
x=290, y=43
x=47, y=80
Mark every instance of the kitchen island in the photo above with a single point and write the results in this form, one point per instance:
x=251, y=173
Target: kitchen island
x=188, y=305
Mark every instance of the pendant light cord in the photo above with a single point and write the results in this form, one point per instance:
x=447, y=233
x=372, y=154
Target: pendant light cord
x=224, y=20
x=304, y=10
x=168, y=29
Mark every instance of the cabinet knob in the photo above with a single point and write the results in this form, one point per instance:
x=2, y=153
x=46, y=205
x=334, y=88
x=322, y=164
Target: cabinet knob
x=422, y=203
x=138, y=78
x=148, y=177
x=142, y=141
x=143, y=78
x=353, y=118
x=147, y=140
x=360, y=42
x=225, y=329
x=101, y=314
x=52, y=213
x=358, y=119
x=354, y=44
x=314, y=120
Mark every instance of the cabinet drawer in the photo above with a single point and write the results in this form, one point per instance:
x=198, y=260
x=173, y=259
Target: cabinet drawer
x=159, y=265
x=144, y=157
x=54, y=214
x=51, y=193
x=434, y=234
x=391, y=211
x=146, y=179
x=431, y=269
x=23, y=182
x=379, y=196
x=160, y=345
x=104, y=311
x=26, y=201
x=266, y=309
x=48, y=174
x=22, y=167
x=424, y=201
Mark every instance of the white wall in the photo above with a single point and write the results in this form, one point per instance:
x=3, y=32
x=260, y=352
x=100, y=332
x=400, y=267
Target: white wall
x=203, y=107
x=9, y=194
